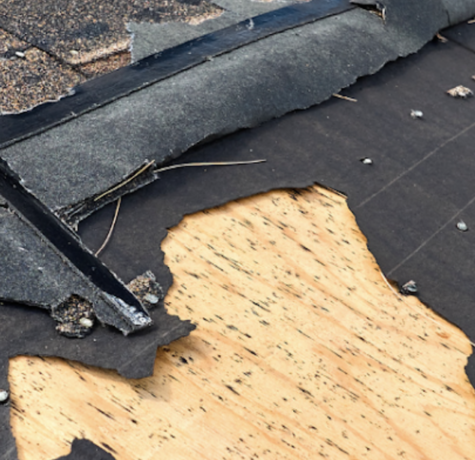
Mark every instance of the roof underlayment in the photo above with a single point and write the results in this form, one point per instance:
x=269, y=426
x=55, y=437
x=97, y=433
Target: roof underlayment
x=104, y=133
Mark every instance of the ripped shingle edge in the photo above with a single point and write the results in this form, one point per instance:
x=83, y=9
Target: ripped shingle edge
x=238, y=89
x=145, y=72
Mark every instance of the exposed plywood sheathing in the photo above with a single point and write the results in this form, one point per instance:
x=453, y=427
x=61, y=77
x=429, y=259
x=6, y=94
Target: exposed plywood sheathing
x=301, y=351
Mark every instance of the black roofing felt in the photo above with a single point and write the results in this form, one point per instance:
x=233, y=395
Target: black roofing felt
x=30, y=331
x=83, y=449
x=407, y=203
x=40, y=247
x=463, y=35
x=325, y=144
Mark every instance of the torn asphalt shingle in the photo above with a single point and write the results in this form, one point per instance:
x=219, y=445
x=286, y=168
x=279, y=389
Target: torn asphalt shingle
x=217, y=98
x=458, y=10
x=96, y=151
x=97, y=93
x=37, y=273
x=41, y=264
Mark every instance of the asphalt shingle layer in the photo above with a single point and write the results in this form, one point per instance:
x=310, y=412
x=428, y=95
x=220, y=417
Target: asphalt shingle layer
x=79, y=32
x=68, y=43
x=29, y=76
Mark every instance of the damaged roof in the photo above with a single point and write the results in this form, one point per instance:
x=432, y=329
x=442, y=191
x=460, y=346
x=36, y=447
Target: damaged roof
x=112, y=135
x=50, y=48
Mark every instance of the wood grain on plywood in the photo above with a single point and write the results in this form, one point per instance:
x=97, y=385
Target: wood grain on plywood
x=302, y=351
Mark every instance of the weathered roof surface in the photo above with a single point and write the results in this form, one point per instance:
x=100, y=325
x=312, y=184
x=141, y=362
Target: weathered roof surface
x=44, y=53
x=80, y=32
x=29, y=76
x=48, y=48
x=296, y=328
x=218, y=97
x=406, y=202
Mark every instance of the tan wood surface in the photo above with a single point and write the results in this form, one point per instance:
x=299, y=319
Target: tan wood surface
x=302, y=351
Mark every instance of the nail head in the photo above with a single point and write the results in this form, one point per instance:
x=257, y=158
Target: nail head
x=416, y=114
x=462, y=226
x=4, y=395
x=409, y=288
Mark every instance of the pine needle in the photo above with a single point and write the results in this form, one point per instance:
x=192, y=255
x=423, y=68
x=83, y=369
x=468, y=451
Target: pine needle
x=346, y=98
x=166, y=168
x=125, y=182
x=111, y=229
x=223, y=163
